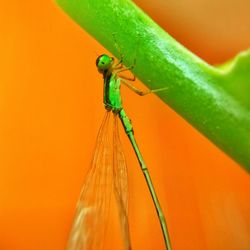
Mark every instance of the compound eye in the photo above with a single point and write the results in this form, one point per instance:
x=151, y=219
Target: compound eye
x=103, y=62
x=98, y=59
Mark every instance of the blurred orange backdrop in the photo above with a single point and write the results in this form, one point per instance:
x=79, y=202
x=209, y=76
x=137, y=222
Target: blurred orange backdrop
x=51, y=109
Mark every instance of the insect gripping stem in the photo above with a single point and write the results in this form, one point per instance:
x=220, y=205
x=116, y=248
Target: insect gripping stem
x=113, y=101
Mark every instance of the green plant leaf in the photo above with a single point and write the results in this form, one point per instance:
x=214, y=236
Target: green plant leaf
x=215, y=100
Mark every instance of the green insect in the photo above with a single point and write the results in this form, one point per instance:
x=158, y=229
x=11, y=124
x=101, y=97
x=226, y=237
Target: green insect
x=108, y=172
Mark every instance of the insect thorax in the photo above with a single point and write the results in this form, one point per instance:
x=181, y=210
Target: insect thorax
x=112, y=94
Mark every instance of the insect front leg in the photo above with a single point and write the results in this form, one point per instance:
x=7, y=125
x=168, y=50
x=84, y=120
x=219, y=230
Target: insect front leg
x=139, y=91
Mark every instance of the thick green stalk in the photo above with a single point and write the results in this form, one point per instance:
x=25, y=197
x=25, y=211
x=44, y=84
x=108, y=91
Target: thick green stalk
x=215, y=100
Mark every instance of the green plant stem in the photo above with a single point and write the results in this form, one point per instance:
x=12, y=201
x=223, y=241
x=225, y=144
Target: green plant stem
x=215, y=100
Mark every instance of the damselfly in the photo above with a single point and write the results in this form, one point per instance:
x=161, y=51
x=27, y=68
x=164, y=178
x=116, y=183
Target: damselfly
x=108, y=171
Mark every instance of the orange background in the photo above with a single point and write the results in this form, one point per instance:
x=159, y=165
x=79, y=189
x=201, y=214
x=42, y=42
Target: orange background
x=51, y=110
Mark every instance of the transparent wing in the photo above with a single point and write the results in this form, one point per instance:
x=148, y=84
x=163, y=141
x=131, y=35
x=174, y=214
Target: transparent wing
x=121, y=183
x=91, y=216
